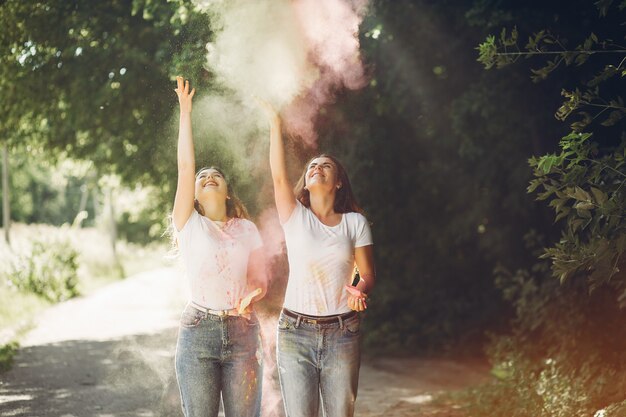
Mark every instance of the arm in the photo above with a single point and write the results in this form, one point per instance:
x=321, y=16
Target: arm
x=185, y=188
x=364, y=258
x=283, y=192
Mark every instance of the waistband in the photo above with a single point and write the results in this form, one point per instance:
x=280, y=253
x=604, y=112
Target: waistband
x=220, y=313
x=339, y=318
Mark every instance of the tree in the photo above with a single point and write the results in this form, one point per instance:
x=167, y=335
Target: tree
x=6, y=214
x=441, y=171
x=563, y=355
x=88, y=79
x=584, y=182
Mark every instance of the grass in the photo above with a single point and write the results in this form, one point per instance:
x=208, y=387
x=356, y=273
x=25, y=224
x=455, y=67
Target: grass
x=16, y=308
x=98, y=266
x=6, y=355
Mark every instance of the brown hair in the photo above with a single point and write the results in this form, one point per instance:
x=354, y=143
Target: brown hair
x=345, y=202
x=234, y=206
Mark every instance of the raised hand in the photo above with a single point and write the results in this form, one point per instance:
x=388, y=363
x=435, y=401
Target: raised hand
x=185, y=188
x=267, y=108
x=184, y=96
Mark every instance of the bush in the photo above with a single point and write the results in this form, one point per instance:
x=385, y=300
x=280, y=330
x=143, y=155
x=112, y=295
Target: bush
x=564, y=357
x=49, y=270
x=142, y=227
x=7, y=352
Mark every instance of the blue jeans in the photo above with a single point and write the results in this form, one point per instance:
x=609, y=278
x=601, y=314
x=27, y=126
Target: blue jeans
x=318, y=361
x=219, y=355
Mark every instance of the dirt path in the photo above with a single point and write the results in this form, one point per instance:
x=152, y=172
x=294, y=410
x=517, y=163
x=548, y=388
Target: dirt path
x=111, y=354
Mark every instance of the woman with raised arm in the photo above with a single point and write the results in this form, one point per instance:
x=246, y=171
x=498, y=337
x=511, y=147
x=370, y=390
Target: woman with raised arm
x=318, y=331
x=218, y=351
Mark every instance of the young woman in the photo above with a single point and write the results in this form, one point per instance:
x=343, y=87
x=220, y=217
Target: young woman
x=318, y=332
x=218, y=350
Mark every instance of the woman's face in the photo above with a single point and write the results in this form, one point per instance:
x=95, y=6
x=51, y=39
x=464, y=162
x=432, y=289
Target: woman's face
x=210, y=183
x=322, y=174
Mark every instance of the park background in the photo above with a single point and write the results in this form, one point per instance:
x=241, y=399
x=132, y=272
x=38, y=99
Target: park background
x=486, y=146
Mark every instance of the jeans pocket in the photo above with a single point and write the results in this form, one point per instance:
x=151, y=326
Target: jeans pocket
x=191, y=317
x=353, y=326
x=284, y=323
x=251, y=322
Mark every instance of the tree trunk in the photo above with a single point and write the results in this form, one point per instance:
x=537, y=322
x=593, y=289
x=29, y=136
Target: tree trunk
x=6, y=207
x=96, y=203
x=111, y=221
x=81, y=215
x=112, y=226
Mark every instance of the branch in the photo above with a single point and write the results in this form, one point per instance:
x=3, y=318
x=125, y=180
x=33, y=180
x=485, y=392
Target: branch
x=612, y=51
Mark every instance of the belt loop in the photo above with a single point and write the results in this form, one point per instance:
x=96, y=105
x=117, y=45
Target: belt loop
x=340, y=322
x=298, y=321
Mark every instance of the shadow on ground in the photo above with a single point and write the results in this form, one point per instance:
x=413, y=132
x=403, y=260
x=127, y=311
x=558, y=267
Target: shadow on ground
x=112, y=355
x=132, y=376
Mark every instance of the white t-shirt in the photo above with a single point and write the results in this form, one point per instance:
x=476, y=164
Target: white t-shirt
x=321, y=260
x=216, y=259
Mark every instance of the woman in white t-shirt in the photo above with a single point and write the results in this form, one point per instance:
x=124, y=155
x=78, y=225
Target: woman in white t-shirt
x=218, y=352
x=318, y=332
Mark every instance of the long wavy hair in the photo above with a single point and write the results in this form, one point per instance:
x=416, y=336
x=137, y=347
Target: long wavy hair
x=234, y=206
x=345, y=202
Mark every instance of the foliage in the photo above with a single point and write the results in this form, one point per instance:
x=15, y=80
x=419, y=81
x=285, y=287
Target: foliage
x=42, y=192
x=87, y=79
x=438, y=157
x=584, y=181
x=556, y=361
x=586, y=188
x=7, y=352
x=96, y=266
x=143, y=226
x=589, y=100
x=563, y=356
x=49, y=270
x=436, y=148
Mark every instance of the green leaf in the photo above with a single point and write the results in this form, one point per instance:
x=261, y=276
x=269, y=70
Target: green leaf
x=558, y=203
x=583, y=205
x=487, y=52
x=584, y=213
x=581, y=59
x=599, y=195
x=534, y=184
x=603, y=6
x=562, y=214
x=546, y=163
x=614, y=117
x=575, y=224
x=580, y=194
